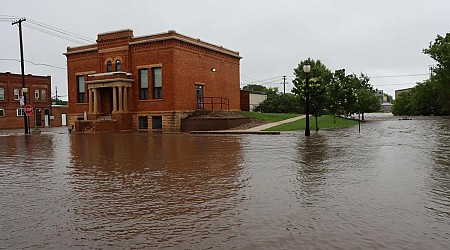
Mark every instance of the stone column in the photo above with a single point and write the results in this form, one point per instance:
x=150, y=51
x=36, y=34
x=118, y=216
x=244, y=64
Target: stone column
x=90, y=92
x=114, y=100
x=95, y=111
x=120, y=99
x=125, y=99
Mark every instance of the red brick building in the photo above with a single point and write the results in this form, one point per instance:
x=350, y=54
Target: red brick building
x=38, y=96
x=148, y=83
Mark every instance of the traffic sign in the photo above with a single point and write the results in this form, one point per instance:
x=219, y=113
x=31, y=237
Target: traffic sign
x=28, y=109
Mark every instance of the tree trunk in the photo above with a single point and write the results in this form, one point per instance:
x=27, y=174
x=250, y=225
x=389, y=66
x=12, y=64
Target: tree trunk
x=334, y=118
x=362, y=116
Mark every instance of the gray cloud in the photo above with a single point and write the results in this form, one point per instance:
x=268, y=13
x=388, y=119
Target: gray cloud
x=375, y=37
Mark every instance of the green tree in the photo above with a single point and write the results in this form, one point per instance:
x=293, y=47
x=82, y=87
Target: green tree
x=58, y=101
x=320, y=79
x=255, y=87
x=402, y=105
x=440, y=52
x=389, y=98
x=280, y=103
x=430, y=97
x=367, y=101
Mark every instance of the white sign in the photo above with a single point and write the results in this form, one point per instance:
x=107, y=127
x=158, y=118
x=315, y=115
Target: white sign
x=21, y=101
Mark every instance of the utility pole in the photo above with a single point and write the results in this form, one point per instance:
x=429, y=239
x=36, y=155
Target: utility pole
x=284, y=84
x=24, y=93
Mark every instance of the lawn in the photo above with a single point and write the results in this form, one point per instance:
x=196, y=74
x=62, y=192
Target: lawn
x=270, y=117
x=324, y=122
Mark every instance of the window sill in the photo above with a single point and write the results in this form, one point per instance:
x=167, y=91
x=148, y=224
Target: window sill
x=151, y=100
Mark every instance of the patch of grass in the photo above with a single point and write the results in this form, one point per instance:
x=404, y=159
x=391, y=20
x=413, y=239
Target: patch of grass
x=270, y=117
x=324, y=122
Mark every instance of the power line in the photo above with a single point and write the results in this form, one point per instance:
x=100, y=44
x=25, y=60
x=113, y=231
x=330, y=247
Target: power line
x=52, y=33
x=393, y=84
x=68, y=33
x=399, y=75
x=37, y=64
x=50, y=30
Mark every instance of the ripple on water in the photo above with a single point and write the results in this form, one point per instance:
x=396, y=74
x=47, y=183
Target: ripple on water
x=387, y=187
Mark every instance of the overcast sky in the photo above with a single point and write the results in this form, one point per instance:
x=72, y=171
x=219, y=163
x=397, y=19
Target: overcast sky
x=379, y=38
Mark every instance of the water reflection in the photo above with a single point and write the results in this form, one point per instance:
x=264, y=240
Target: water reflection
x=165, y=189
x=387, y=187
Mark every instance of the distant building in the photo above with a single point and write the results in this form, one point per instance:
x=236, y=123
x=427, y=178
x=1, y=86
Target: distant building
x=251, y=99
x=379, y=93
x=148, y=83
x=38, y=96
x=399, y=91
x=386, y=107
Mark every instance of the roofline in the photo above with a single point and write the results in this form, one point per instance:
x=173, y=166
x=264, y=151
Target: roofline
x=114, y=31
x=81, y=51
x=224, y=51
x=198, y=42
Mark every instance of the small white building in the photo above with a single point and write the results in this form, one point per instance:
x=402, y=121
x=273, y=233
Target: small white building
x=251, y=99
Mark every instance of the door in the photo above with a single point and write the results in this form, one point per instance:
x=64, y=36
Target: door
x=38, y=118
x=47, y=118
x=200, y=97
x=63, y=120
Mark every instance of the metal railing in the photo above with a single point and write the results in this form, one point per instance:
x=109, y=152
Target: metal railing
x=213, y=103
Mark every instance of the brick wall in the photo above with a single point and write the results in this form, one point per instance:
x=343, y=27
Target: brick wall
x=9, y=82
x=184, y=62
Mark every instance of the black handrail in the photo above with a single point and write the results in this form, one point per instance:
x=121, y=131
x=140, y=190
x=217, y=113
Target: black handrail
x=203, y=103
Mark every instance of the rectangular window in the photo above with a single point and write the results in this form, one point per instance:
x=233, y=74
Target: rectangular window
x=16, y=94
x=156, y=122
x=157, y=83
x=43, y=95
x=143, y=84
x=2, y=94
x=36, y=95
x=143, y=122
x=81, y=89
x=2, y=113
x=20, y=112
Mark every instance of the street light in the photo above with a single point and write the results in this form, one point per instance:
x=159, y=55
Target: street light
x=307, y=69
x=359, y=113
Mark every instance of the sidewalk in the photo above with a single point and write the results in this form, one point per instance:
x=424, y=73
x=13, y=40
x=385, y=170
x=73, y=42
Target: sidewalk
x=273, y=124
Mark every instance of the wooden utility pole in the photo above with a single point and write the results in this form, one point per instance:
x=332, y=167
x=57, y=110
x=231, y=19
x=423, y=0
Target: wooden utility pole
x=22, y=66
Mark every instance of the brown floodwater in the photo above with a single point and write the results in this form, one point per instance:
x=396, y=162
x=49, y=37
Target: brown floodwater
x=388, y=187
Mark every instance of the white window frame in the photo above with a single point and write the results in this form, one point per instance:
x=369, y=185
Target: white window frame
x=2, y=94
x=20, y=112
x=36, y=95
x=16, y=94
x=2, y=113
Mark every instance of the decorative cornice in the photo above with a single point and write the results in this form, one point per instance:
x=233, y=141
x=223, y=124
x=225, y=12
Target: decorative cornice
x=80, y=51
x=227, y=52
x=110, y=80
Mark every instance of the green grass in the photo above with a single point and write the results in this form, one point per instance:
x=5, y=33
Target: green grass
x=270, y=117
x=324, y=122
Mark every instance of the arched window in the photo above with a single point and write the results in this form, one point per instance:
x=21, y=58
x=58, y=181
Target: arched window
x=109, y=66
x=118, y=65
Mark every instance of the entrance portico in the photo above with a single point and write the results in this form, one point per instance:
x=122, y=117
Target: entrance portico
x=108, y=93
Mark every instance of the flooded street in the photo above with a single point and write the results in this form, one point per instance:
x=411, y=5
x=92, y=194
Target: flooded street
x=388, y=187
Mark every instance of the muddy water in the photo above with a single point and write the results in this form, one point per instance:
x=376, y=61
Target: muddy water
x=388, y=187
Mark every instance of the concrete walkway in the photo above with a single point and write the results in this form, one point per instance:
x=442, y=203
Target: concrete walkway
x=255, y=130
x=273, y=124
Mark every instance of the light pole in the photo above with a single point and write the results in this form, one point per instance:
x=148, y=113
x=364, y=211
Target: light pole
x=307, y=69
x=359, y=113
